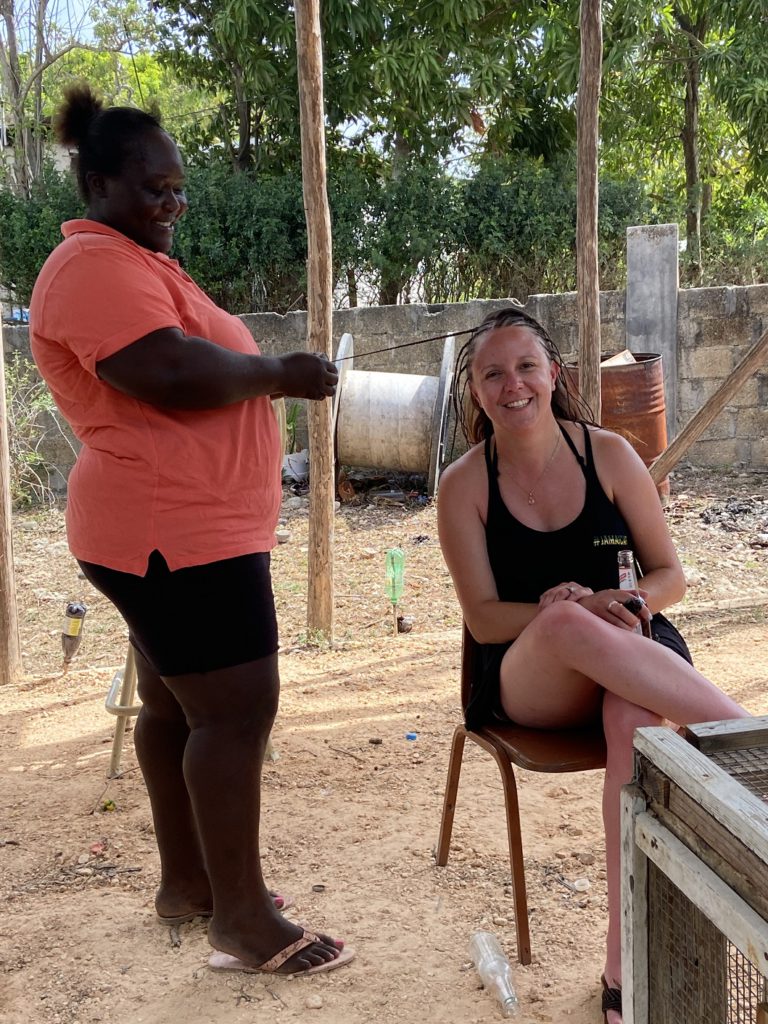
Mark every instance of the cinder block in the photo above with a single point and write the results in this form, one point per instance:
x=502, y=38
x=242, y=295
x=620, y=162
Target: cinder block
x=757, y=297
x=747, y=397
x=732, y=452
x=708, y=362
x=759, y=454
x=752, y=423
x=723, y=427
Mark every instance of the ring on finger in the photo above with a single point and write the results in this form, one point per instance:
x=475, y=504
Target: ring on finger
x=570, y=589
x=611, y=604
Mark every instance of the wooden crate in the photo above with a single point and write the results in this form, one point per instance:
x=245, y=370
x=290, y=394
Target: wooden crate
x=695, y=876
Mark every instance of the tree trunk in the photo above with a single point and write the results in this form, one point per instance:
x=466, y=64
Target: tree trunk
x=10, y=70
x=587, y=266
x=351, y=286
x=319, y=312
x=389, y=292
x=244, y=155
x=695, y=33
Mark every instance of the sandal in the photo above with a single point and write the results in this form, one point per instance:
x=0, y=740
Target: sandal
x=281, y=903
x=611, y=999
x=225, y=962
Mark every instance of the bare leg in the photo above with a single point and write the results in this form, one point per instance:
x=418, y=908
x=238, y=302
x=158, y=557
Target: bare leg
x=160, y=738
x=230, y=714
x=553, y=673
x=548, y=681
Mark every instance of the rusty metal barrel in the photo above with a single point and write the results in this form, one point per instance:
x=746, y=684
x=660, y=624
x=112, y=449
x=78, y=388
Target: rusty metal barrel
x=633, y=406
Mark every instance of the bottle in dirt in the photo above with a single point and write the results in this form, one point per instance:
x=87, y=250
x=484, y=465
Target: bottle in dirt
x=72, y=630
x=628, y=581
x=494, y=970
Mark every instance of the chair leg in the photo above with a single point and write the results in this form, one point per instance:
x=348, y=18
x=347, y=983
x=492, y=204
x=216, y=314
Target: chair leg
x=514, y=836
x=449, y=802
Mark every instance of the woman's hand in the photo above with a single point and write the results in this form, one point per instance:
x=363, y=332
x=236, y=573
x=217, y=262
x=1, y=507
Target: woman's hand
x=564, y=592
x=609, y=605
x=306, y=375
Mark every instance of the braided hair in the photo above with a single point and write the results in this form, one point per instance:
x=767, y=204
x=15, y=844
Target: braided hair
x=567, y=403
x=104, y=136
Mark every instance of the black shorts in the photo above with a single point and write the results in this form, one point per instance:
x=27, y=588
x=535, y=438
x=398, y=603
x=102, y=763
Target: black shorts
x=196, y=619
x=484, y=705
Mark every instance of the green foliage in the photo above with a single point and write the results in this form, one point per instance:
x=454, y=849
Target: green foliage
x=244, y=240
x=30, y=229
x=516, y=231
x=408, y=72
x=32, y=418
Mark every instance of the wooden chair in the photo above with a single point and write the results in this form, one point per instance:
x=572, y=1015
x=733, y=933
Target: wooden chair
x=538, y=750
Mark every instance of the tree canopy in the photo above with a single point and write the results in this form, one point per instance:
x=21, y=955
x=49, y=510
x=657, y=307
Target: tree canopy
x=451, y=138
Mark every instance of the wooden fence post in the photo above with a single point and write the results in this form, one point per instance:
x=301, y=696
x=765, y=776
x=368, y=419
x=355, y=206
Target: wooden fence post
x=319, y=312
x=587, y=269
x=10, y=644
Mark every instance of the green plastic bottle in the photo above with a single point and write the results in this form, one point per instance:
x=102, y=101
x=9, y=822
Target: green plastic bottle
x=394, y=581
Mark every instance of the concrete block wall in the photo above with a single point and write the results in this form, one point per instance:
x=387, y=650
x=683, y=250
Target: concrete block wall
x=715, y=328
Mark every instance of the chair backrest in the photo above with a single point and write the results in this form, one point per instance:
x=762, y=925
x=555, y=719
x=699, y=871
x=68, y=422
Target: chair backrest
x=470, y=653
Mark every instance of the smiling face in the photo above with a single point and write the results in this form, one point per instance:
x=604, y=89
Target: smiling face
x=512, y=377
x=147, y=198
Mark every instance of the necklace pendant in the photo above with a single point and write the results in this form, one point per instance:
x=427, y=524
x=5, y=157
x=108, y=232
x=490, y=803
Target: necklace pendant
x=531, y=499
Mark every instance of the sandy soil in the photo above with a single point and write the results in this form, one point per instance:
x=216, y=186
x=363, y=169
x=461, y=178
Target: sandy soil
x=349, y=825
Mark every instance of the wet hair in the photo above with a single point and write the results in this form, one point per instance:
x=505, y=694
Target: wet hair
x=567, y=402
x=104, y=136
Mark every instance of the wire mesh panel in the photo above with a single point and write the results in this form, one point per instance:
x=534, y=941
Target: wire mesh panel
x=695, y=861
x=687, y=965
x=749, y=766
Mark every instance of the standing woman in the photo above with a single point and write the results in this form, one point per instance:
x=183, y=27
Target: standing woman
x=531, y=520
x=171, y=513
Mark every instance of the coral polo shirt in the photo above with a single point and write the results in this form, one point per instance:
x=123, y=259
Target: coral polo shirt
x=198, y=486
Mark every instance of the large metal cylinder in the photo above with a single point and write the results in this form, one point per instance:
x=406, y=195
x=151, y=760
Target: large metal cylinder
x=386, y=419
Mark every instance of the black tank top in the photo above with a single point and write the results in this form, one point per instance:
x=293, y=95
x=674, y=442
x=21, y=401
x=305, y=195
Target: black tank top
x=526, y=562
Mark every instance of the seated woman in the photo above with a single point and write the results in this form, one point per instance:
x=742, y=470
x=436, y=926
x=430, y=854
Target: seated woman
x=531, y=520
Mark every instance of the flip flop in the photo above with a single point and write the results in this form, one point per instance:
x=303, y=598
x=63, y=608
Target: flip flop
x=224, y=962
x=281, y=903
x=611, y=999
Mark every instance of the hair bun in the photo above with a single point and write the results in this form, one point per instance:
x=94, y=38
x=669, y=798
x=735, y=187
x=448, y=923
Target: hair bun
x=77, y=113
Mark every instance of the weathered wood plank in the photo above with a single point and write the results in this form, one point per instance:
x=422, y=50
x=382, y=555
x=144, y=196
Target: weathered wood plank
x=634, y=912
x=721, y=851
x=739, y=922
x=740, y=811
x=732, y=735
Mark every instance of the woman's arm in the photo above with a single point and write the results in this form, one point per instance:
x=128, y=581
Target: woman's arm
x=170, y=369
x=462, y=539
x=628, y=483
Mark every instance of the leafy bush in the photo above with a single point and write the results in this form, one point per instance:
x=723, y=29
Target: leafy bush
x=30, y=229
x=33, y=422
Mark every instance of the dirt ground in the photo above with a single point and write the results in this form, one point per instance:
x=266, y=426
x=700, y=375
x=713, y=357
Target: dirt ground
x=349, y=825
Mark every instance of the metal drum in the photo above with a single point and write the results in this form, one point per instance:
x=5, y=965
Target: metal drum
x=633, y=405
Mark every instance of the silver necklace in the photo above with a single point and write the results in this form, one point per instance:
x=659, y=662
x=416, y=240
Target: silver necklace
x=529, y=492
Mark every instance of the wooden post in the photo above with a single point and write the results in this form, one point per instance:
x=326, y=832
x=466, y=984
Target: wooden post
x=319, y=311
x=751, y=363
x=10, y=643
x=587, y=272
